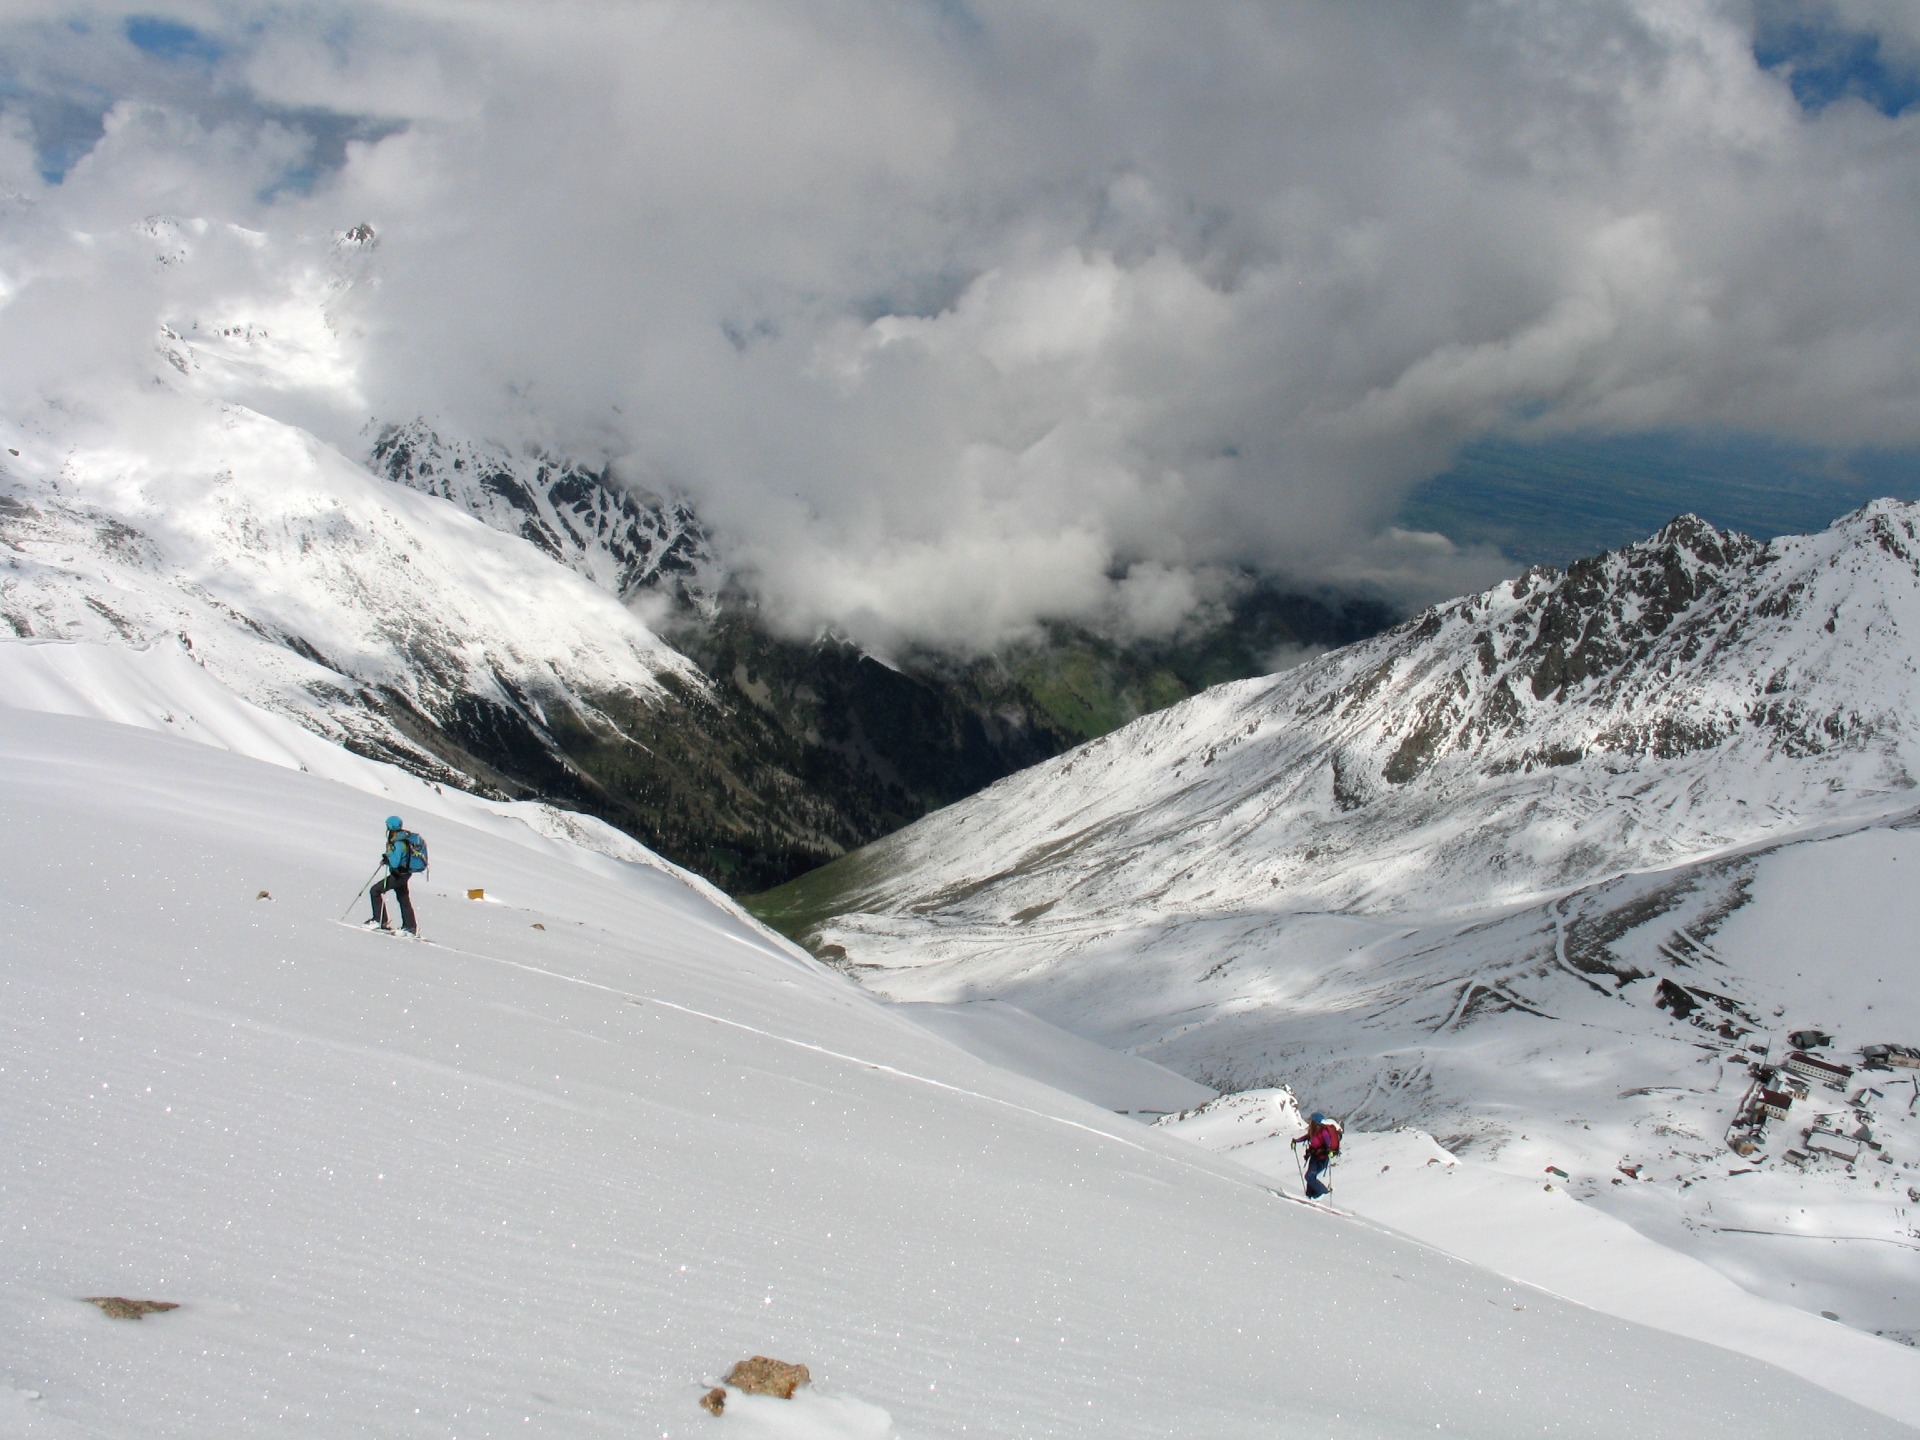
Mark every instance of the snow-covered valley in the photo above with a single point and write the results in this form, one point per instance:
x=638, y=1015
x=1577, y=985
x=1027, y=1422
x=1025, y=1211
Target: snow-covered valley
x=555, y=1171
x=1552, y=873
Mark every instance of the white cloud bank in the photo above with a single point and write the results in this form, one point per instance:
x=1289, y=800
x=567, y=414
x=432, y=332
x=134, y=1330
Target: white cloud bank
x=952, y=314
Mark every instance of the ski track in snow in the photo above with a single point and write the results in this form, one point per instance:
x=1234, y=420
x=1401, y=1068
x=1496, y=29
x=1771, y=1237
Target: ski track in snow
x=864, y=1064
x=893, y=1070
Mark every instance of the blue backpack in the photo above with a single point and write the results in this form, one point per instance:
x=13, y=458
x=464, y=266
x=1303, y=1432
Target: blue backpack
x=416, y=849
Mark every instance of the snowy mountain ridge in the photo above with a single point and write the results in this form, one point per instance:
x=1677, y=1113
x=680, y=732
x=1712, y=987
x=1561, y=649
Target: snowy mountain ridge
x=629, y=543
x=1693, y=692
x=365, y=612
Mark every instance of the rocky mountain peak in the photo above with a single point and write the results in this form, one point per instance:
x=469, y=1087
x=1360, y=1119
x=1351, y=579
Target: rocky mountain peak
x=1501, y=744
x=1608, y=656
x=629, y=542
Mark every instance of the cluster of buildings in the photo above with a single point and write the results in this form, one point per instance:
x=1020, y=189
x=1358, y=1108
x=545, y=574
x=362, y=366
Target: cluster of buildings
x=1891, y=1057
x=1775, y=1088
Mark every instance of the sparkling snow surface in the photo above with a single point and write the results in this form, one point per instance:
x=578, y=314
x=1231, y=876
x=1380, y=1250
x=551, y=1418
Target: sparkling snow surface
x=556, y=1180
x=1006, y=1035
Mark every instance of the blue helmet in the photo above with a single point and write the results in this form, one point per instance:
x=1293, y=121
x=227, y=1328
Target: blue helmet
x=1316, y=1118
x=393, y=822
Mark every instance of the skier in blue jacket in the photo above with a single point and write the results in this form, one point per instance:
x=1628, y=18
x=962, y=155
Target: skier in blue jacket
x=398, y=858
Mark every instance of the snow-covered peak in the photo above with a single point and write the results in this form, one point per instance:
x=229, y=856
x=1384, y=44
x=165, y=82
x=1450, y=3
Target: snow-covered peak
x=628, y=542
x=302, y=581
x=355, y=241
x=254, y=320
x=1693, y=692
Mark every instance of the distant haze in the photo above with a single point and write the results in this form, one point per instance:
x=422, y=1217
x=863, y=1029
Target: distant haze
x=952, y=316
x=1553, y=501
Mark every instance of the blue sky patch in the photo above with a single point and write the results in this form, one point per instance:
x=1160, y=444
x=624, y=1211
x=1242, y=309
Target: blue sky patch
x=328, y=133
x=1823, y=61
x=170, y=40
x=64, y=130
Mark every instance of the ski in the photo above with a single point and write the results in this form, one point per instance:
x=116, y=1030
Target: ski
x=1320, y=1205
x=387, y=933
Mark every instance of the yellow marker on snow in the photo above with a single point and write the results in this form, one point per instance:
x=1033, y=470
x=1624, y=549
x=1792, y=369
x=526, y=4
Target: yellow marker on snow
x=476, y=894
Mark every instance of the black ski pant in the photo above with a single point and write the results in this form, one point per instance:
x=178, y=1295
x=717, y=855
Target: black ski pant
x=1316, y=1170
x=396, y=881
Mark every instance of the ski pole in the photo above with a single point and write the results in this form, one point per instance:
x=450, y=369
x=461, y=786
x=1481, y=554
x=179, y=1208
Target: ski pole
x=363, y=889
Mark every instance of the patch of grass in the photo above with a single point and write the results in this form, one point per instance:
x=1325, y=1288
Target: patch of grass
x=1090, y=688
x=800, y=907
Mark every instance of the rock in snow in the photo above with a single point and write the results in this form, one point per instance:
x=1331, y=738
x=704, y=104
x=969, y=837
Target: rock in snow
x=763, y=1375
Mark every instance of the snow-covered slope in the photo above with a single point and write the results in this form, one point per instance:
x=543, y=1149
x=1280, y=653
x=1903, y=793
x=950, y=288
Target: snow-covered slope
x=1008, y=1036
x=301, y=580
x=187, y=502
x=1692, y=692
x=1501, y=873
x=555, y=1172
x=1532, y=1228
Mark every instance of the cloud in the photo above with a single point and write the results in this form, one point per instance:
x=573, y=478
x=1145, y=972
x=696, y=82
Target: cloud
x=954, y=317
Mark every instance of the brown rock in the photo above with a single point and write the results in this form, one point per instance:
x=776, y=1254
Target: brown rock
x=117, y=1307
x=762, y=1376
x=714, y=1401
